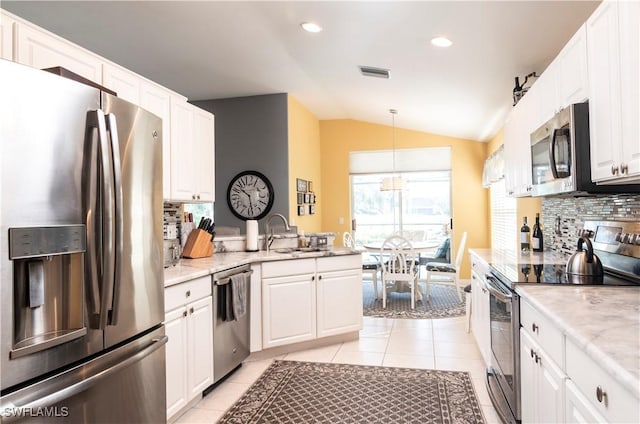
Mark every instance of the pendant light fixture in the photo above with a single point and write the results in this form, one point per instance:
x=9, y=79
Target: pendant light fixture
x=394, y=182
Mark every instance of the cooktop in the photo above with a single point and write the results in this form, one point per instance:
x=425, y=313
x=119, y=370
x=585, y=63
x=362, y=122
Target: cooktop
x=546, y=274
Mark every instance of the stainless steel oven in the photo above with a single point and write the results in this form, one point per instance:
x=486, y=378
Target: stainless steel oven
x=503, y=376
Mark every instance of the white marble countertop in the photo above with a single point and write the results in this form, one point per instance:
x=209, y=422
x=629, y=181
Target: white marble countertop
x=604, y=321
x=497, y=257
x=188, y=269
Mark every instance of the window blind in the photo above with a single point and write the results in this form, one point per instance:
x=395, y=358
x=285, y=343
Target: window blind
x=406, y=160
x=504, y=225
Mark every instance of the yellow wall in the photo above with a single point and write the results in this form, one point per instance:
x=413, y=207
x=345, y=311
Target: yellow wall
x=304, y=162
x=469, y=198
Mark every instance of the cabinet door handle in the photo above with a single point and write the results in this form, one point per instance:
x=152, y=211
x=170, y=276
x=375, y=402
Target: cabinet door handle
x=198, y=197
x=319, y=277
x=184, y=314
x=188, y=293
x=191, y=311
x=534, y=327
x=624, y=168
x=601, y=395
x=313, y=278
x=193, y=196
x=614, y=170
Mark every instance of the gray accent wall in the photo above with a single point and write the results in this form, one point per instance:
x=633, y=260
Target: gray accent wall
x=251, y=134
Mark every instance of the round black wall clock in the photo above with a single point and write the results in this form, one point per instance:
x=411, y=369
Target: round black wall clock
x=250, y=195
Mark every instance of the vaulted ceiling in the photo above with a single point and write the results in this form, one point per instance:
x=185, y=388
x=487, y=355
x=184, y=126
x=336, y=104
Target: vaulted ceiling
x=212, y=49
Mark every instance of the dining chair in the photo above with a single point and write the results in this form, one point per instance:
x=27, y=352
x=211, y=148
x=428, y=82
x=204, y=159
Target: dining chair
x=397, y=260
x=442, y=254
x=369, y=265
x=450, y=272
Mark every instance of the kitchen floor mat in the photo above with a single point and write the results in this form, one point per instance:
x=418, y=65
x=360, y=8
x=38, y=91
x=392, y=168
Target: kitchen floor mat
x=311, y=392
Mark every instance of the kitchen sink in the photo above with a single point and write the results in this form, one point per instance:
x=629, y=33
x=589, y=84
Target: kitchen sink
x=296, y=250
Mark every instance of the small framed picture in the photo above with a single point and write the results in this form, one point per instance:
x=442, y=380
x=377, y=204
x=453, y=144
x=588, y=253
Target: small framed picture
x=307, y=198
x=301, y=185
x=310, y=186
x=300, y=198
x=301, y=210
x=312, y=209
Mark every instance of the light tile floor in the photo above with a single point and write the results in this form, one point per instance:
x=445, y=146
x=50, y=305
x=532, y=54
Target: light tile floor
x=441, y=344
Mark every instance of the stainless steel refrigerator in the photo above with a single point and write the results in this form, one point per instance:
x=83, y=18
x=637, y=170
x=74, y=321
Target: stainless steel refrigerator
x=81, y=295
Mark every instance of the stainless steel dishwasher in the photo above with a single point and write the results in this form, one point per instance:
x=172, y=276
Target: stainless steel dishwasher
x=231, y=337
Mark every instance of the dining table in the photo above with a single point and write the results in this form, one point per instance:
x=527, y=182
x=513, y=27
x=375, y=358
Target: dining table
x=418, y=247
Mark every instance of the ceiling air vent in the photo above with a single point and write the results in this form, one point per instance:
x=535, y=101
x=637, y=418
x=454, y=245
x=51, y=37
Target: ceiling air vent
x=370, y=71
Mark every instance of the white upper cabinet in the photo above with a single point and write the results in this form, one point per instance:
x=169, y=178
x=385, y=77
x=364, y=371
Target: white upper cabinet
x=6, y=36
x=126, y=84
x=613, y=50
x=517, y=148
x=152, y=97
x=629, y=17
x=570, y=70
x=41, y=49
x=564, y=82
x=192, y=153
x=204, y=136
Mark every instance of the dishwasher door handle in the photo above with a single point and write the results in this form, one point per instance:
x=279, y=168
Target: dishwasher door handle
x=227, y=280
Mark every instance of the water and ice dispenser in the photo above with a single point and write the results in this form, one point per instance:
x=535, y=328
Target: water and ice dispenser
x=48, y=276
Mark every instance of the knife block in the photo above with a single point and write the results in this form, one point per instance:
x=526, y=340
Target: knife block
x=198, y=245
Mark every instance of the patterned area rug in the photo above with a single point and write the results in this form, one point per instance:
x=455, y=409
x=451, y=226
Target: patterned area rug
x=309, y=392
x=444, y=303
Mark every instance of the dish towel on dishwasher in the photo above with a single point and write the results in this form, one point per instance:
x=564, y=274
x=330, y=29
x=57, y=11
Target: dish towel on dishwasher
x=239, y=295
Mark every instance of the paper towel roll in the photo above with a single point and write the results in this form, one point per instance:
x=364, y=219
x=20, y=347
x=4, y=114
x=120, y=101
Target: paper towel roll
x=252, y=235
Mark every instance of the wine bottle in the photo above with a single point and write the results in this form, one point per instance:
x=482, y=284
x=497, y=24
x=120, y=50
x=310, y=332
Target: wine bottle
x=525, y=231
x=536, y=236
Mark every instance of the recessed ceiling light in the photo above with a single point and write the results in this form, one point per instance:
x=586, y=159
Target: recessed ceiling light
x=441, y=42
x=311, y=27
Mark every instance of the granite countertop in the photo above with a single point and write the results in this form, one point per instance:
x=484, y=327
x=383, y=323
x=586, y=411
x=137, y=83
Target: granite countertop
x=188, y=269
x=604, y=321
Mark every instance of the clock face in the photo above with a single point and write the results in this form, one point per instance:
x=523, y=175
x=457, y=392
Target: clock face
x=250, y=195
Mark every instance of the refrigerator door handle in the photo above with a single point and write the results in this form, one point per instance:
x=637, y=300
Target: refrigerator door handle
x=79, y=387
x=93, y=209
x=108, y=226
x=112, y=129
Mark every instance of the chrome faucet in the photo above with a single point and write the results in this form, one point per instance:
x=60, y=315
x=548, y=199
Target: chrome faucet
x=268, y=232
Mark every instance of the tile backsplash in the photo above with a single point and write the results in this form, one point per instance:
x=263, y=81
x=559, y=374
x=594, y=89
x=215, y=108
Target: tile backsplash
x=561, y=217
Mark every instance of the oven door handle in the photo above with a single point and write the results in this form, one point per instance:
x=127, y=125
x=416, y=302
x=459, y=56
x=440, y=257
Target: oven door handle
x=499, y=294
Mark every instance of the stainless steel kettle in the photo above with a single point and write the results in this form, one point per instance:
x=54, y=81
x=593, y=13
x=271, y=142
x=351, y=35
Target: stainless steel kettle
x=584, y=267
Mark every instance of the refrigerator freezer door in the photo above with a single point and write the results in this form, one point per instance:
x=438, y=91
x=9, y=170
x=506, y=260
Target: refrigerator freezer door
x=42, y=154
x=126, y=385
x=138, y=291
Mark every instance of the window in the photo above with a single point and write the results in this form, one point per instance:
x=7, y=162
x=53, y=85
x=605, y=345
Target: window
x=504, y=228
x=422, y=210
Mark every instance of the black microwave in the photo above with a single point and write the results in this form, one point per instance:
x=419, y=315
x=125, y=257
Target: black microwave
x=560, y=156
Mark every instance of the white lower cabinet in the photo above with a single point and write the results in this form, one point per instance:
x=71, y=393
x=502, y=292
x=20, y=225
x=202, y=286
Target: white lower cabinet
x=303, y=299
x=189, y=352
x=577, y=408
x=542, y=384
x=339, y=302
x=602, y=395
x=480, y=322
x=288, y=309
x=561, y=383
